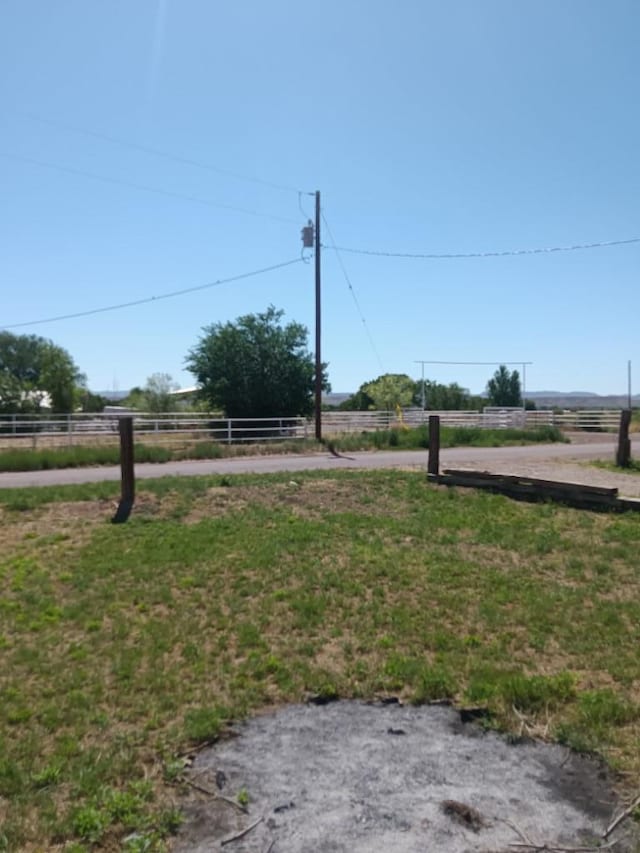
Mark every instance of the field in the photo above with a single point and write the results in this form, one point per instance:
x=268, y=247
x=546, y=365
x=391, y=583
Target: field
x=122, y=647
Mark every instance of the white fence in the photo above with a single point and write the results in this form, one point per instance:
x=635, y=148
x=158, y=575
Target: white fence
x=491, y=418
x=58, y=430
x=34, y=430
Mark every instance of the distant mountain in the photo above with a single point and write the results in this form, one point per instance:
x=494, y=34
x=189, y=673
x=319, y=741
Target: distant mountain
x=534, y=394
x=112, y=395
x=334, y=398
x=581, y=400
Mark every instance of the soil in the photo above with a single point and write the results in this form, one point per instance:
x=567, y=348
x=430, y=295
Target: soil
x=359, y=777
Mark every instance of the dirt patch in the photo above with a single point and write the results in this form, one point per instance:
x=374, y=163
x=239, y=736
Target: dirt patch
x=71, y=521
x=303, y=498
x=357, y=777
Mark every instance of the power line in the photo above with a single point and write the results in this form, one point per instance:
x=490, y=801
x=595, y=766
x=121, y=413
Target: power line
x=148, y=299
x=143, y=187
x=511, y=252
x=353, y=295
x=156, y=152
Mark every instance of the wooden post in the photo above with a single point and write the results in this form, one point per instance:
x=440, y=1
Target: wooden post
x=127, y=494
x=433, y=465
x=623, y=454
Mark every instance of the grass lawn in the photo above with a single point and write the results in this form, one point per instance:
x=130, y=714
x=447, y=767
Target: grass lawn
x=121, y=647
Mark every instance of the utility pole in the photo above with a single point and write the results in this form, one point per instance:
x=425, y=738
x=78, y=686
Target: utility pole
x=423, y=390
x=318, y=326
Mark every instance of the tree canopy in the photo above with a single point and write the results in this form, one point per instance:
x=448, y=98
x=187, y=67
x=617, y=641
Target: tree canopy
x=255, y=367
x=36, y=374
x=398, y=389
x=503, y=389
x=451, y=397
x=390, y=390
x=155, y=396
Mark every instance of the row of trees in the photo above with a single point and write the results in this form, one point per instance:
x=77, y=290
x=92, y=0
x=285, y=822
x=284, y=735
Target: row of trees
x=398, y=389
x=255, y=367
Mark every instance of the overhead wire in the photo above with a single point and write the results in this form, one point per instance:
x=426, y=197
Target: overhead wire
x=353, y=294
x=501, y=254
x=144, y=187
x=156, y=152
x=161, y=296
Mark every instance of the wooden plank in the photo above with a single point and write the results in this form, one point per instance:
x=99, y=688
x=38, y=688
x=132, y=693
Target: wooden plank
x=515, y=479
x=573, y=495
x=567, y=493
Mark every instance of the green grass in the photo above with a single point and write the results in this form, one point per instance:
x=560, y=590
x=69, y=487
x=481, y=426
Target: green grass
x=121, y=647
x=77, y=456
x=633, y=468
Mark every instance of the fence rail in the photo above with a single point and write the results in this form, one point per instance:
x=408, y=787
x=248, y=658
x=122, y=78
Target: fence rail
x=58, y=430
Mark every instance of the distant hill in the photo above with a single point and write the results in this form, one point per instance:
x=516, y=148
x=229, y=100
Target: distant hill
x=536, y=394
x=334, y=398
x=581, y=400
x=112, y=395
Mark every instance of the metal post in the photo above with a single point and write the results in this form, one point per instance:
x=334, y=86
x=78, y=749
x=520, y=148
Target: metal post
x=423, y=394
x=629, y=384
x=318, y=394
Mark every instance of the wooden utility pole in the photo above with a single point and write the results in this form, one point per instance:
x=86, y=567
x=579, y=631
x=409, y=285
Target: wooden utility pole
x=127, y=493
x=318, y=326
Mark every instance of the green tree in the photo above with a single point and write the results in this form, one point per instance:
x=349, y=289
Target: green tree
x=255, y=367
x=358, y=402
x=157, y=393
x=503, y=389
x=33, y=369
x=91, y=402
x=439, y=397
x=390, y=390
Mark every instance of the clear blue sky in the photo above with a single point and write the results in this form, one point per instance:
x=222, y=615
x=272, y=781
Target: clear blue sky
x=458, y=127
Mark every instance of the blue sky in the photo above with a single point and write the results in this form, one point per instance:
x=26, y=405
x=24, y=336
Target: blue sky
x=462, y=127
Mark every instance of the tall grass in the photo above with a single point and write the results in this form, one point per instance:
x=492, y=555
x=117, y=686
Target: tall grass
x=418, y=438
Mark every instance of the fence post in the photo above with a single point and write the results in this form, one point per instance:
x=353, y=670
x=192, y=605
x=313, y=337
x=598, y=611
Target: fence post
x=127, y=493
x=228, y=430
x=433, y=464
x=623, y=454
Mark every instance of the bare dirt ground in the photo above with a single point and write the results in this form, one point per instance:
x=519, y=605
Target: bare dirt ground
x=357, y=777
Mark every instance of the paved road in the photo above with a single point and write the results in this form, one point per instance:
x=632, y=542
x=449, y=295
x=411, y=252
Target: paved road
x=492, y=458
